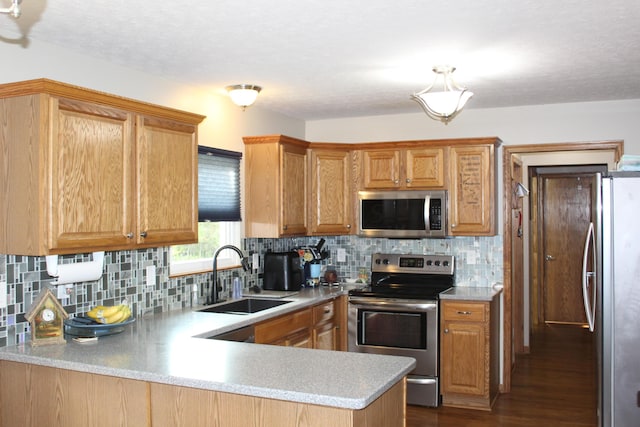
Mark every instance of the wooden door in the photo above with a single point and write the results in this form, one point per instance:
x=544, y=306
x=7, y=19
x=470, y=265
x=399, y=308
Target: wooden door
x=167, y=182
x=425, y=168
x=91, y=179
x=566, y=214
x=293, y=190
x=331, y=192
x=381, y=168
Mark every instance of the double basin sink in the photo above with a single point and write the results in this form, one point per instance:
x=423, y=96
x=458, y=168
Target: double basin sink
x=244, y=306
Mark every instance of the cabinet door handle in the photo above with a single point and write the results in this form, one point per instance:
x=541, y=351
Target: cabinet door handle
x=129, y=236
x=466, y=313
x=143, y=234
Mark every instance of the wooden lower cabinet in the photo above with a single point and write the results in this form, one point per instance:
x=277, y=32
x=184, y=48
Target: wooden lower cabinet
x=317, y=327
x=174, y=406
x=469, y=359
x=32, y=395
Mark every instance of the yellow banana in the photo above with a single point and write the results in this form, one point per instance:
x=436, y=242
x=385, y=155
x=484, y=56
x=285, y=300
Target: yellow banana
x=109, y=315
x=116, y=317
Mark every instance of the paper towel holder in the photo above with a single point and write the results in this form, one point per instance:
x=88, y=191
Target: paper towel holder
x=77, y=272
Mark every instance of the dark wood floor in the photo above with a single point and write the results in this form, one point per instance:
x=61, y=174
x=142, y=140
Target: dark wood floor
x=553, y=386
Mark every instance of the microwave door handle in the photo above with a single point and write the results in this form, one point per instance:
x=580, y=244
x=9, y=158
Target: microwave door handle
x=427, y=211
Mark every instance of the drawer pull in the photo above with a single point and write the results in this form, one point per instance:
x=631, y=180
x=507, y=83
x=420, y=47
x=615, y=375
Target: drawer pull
x=464, y=312
x=327, y=309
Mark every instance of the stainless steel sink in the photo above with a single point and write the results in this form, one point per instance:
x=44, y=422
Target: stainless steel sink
x=244, y=306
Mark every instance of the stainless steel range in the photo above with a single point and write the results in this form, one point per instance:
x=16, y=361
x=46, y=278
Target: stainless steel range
x=397, y=314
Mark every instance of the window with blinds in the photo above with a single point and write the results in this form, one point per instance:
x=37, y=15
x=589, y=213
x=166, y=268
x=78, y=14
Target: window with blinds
x=219, y=212
x=218, y=185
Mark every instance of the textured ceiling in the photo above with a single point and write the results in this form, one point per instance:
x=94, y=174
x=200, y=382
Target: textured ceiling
x=344, y=58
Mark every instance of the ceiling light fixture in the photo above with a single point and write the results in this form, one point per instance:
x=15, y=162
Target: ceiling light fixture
x=243, y=95
x=13, y=10
x=444, y=105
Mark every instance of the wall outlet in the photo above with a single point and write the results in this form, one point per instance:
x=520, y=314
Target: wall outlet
x=151, y=276
x=255, y=262
x=64, y=291
x=3, y=294
x=342, y=255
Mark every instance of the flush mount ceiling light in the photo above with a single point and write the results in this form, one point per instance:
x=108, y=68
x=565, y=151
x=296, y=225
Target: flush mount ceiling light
x=446, y=104
x=13, y=10
x=243, y=95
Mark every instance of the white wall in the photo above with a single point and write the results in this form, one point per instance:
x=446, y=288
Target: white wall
x=538, y=124
x=224, y=126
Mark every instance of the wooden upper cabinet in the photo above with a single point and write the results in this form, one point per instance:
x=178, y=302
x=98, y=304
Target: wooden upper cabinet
x=412, y=168
x=472, y=190
x=91, y=171
x=275, y=186
x=331, y=192
x=167, y=196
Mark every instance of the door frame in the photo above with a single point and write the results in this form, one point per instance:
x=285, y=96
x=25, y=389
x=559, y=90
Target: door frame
x=511, y=154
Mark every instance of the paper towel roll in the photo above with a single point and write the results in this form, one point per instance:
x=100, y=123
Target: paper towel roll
x=78, y=272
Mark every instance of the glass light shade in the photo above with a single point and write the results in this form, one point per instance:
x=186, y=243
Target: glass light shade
x=443, y=106
x=446, y=104
x=243, y=95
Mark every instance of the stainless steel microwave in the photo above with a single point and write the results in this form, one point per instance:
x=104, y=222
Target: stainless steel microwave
x=403, y=214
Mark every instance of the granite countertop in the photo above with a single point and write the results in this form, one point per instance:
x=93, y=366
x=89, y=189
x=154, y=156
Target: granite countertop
x=482, y=293
x=169, y=348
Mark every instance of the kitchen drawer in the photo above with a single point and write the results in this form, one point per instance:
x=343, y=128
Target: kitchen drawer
x=324, y=312
x=272, y=330
x=465, y=311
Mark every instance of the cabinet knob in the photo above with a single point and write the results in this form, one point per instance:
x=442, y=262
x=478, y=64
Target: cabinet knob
x=396, y=181
x=348, y=225
x=129, y=235
x=453, y=225
x=143, y=234
x=327, y=309
x=284, y=227
x=408, y=181
x=446, y=331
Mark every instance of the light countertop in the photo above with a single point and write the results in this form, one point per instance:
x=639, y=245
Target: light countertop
x=168, y=348
x=484, y=293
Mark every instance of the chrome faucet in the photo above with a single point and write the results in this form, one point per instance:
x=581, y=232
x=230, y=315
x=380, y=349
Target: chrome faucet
x=243, y=260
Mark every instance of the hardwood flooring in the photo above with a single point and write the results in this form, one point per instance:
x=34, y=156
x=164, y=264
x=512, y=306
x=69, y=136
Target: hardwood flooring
x=553, y=386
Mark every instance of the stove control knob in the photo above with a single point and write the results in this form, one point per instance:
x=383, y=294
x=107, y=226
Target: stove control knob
x=385, y=261
x=378, y=261
x=429, y=262
x=445, y=263
x=437, y=263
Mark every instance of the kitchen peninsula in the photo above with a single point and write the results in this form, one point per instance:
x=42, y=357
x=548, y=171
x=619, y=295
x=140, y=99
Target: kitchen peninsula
x=163, y=371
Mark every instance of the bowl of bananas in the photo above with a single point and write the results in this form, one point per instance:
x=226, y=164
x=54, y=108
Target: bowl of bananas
x=100, y=321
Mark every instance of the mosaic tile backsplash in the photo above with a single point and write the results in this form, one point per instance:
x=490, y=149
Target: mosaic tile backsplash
x=479, y=262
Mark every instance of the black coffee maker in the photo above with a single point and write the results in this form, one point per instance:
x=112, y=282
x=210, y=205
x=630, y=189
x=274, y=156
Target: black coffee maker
x=282, y=272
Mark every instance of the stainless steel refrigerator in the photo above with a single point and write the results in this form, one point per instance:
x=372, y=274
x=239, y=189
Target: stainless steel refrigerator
x=611, y=291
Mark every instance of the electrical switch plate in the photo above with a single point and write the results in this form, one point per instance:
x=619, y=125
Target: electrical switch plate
x=3, y=294
x=255, y=261
x=342, y=255
x=64, y=291
x=151, y=275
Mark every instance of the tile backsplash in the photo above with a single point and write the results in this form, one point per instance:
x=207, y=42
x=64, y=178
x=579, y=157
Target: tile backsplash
x=479, y=262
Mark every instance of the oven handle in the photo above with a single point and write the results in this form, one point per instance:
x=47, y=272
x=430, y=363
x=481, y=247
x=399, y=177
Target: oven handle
x=393, y=304
x=421, y=381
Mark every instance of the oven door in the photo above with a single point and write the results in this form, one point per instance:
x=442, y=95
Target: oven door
x=396, y=327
